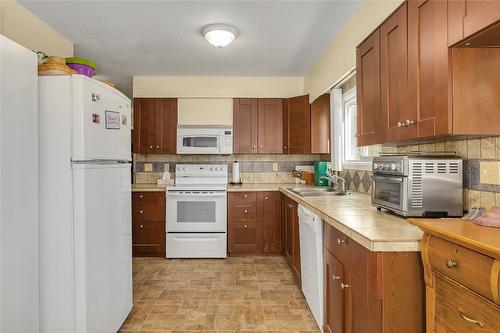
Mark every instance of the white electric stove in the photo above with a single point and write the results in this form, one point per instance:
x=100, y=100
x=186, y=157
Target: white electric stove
x=197, y=212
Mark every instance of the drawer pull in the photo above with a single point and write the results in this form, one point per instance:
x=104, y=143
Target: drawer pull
x=470, y=320
x=335, y=277
x=245, y=211
x=141, y=211
x=344, y=286
x=246, y=196
x=340, y=241
x=267, y=198
x=141, y=226
x=246, y=226
x=451, y=263
x=141, y=196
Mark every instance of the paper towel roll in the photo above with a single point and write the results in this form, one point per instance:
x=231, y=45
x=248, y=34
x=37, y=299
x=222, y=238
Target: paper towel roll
x=236, y=172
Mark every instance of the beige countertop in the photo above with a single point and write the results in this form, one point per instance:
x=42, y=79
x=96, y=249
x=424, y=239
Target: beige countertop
x=354, y=216
x=147, y=188
x=258, y=187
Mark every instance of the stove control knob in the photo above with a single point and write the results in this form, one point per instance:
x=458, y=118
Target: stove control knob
x=393, y=167
x=375, y=166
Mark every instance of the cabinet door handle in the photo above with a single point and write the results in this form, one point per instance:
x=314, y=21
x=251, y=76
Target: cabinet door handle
x=142, y=226
x=340, y=241
x=157, y=147
x=267, y=198
x=141, y=211
x=141, y=196
x=468, y=319
x=451, y=264
x=399, y=124
x=246, y=226
x=335, y=277
x=245, y=211
x=261, y=147
x=409, y=122
x=254, y=147
x=151, y=147
x=344, y=286
x=284, y=147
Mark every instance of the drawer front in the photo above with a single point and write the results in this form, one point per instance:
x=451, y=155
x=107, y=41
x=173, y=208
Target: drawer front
x=148, y=213
x=246, y=237
x=148, y=238
x=148, y=199
x=352, y=255
x=241, y=214
x=460, y=310
x=467, y=267
x=245, y=199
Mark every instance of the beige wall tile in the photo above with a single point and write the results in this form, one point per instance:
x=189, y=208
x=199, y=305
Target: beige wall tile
x=489, y=172
x=440, y=146
x=488, y=148
x=497, y=199
x=450, y=146
x=473, y=149
x=461, y=148
x=497, y=145
x=259, y=178
x=487, y=200
x=148, y=167
x=473, y=199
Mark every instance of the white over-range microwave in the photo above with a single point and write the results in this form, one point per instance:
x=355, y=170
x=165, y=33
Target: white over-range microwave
x=195, y=139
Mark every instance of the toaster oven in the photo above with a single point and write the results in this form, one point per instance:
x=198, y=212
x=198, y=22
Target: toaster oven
x=418, y=186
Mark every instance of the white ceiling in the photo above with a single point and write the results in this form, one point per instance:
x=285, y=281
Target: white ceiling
x=126, y=38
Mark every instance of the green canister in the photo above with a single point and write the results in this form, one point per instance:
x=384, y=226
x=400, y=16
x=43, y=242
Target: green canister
x=320, y=170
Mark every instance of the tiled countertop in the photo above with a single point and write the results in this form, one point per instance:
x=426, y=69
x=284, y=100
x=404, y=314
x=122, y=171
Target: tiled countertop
x=357, y=218
x=147, y=188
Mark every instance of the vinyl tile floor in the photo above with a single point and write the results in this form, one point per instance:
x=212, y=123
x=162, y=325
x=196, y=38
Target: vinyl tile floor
x=238, y=294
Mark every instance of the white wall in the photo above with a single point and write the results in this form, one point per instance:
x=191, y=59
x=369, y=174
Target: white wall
x=340, y=56
x=217, y=86
x=21, y=26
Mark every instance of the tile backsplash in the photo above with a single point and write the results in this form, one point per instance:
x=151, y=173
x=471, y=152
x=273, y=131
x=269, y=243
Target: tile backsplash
x=254, y=168
x=481, y=169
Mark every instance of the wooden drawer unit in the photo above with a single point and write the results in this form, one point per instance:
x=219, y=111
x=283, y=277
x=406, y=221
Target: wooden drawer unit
x=459, y=310
x=254, y=222
x=467, y=267
x=244, y=199
x=246, y=237
x=148, y=224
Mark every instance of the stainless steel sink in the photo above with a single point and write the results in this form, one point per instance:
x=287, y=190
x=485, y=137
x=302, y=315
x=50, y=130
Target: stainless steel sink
x=316, y=191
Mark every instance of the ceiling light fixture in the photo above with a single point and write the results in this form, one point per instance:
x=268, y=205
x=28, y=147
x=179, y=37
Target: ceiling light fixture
x=219, y=35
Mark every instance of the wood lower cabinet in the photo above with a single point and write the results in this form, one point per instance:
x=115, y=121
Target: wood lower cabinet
x=320, y=125
x=370, y=129
x=291, y=246
x=155, y=126
x=257, y=125
x=370, y=292
x=148, y=224
x=297, y=125
x=254, y=222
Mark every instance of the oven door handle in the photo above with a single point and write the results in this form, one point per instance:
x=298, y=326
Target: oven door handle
x=389, y=179
x=196, y=195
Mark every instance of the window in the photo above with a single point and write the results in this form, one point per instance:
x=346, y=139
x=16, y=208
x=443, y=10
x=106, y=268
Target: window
x=346, y=153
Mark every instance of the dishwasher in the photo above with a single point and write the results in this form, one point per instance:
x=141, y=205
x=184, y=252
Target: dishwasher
x=311, y=261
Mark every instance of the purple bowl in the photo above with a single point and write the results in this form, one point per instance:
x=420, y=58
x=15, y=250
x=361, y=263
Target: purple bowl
x=82, y=69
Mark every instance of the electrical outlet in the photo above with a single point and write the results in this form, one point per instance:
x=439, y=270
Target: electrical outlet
x=166, y=167
x=275, y=166
x=148, y=167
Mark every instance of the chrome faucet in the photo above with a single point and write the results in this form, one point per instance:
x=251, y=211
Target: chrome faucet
x=337, y=182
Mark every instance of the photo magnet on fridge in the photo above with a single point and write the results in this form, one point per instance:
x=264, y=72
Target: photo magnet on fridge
x=112, y=119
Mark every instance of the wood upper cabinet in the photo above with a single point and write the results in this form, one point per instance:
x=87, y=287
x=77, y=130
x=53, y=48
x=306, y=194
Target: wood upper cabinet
x=245, y=125
x=148, y=224
x=428, y=68
x=370, y=128
x=370, y=292
x=270, y=125
x=257, y=125
x=297, y=125
x=254, y=222
x=394, y=76
x=467, y=17
x=291, y=246
x=155, y=126
x=320, y=125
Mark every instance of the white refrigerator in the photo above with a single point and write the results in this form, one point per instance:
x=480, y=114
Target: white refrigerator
x=18, y=189
x=85, y=205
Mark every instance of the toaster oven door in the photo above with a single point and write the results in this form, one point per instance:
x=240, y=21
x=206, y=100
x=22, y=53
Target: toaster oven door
x=390, y=192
